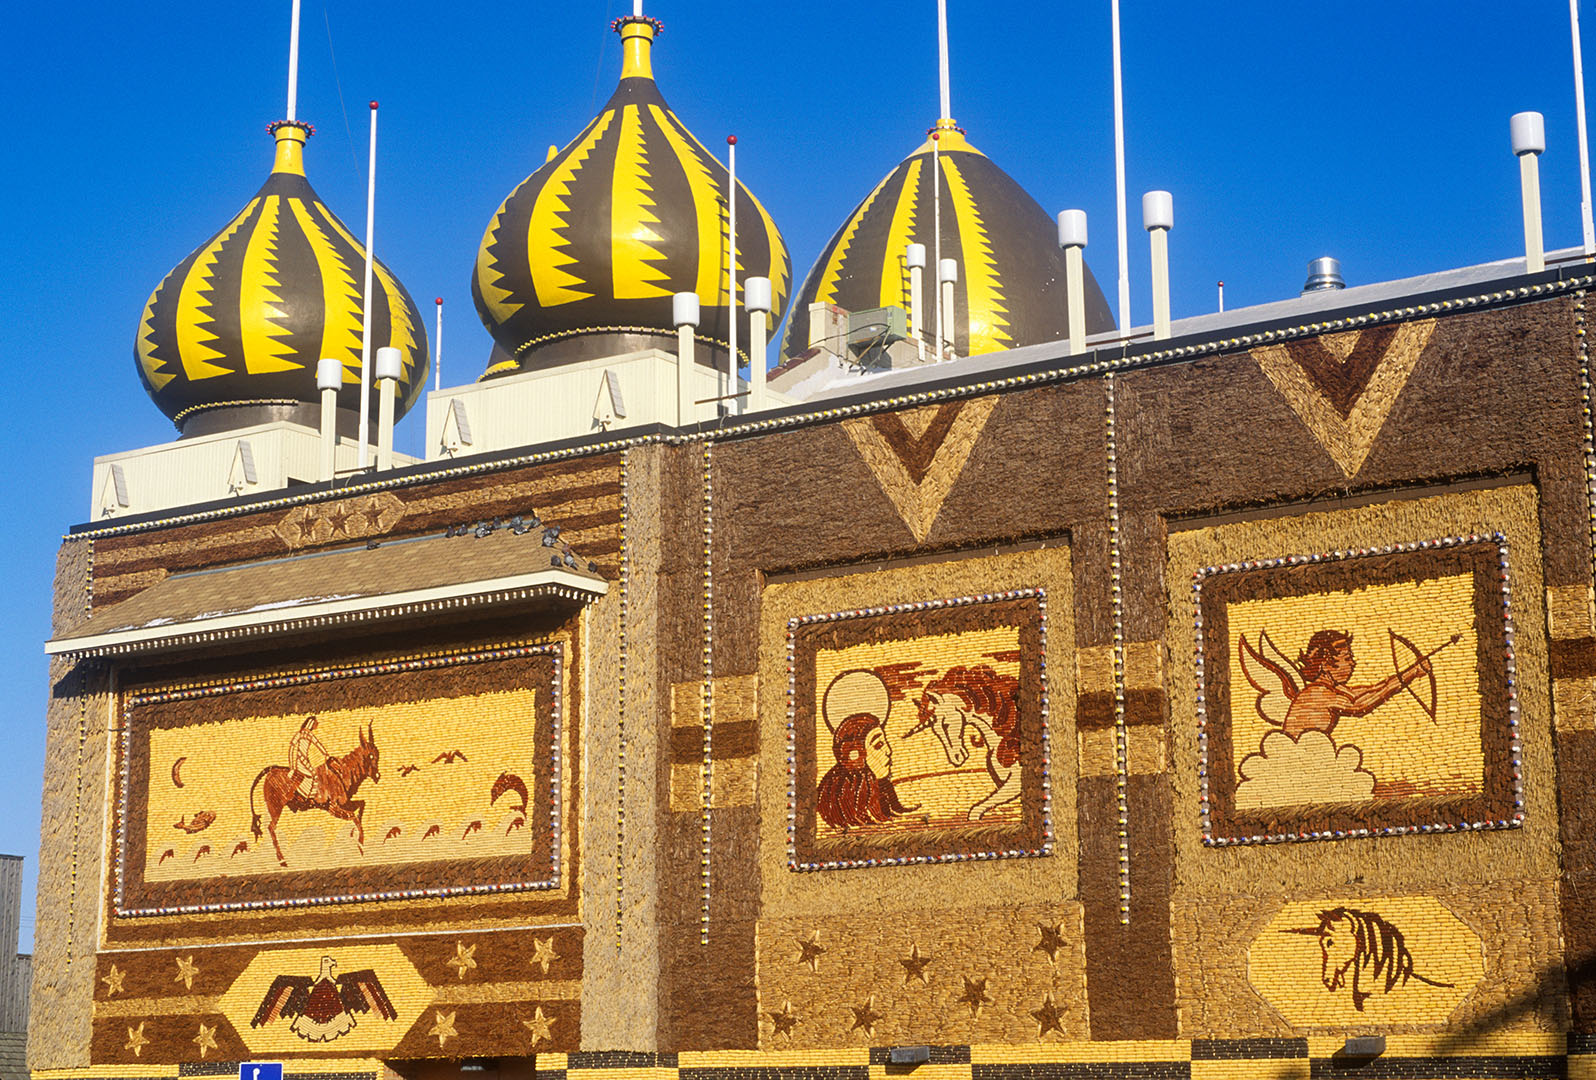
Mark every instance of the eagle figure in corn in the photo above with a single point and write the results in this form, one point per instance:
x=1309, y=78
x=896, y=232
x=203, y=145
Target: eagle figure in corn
x=322, y=1007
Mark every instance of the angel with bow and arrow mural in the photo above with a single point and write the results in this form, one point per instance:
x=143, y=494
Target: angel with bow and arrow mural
x=1303, y=701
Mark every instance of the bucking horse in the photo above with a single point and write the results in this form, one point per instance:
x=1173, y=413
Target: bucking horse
x=340, y=778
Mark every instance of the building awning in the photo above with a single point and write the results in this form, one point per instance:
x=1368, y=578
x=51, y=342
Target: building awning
x=319, y=590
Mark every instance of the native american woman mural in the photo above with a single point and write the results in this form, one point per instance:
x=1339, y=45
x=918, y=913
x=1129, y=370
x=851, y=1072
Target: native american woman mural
x=917, y=731
x=1364, y=683
x=374, y=775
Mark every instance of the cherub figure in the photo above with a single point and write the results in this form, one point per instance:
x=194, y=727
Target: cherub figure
x=1316, y=691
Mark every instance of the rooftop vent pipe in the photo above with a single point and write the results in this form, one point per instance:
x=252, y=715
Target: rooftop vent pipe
x=1323, y=273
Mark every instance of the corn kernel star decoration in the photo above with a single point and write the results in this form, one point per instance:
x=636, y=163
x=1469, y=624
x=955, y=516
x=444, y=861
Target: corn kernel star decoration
x=464, y=958
x=543, y=953
x=914, y=965
x=1048, y=1017
x=975, y=994
x=136, y=1039
x=1052, y=940
x=865, y=1016
x=785, y=1020
x=113, y=981
x=186, y=971
x=539, y=1026
x=810, y=952
x=206, y=1039
x=443, y=1027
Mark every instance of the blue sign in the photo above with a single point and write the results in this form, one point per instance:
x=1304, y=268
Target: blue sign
x=260, y=1070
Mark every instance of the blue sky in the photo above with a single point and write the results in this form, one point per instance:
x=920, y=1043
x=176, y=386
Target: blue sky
x=1375, y=132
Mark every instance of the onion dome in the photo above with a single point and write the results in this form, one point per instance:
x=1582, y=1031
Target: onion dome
x=232, y=335
x=1010, y=287
x=582, y=259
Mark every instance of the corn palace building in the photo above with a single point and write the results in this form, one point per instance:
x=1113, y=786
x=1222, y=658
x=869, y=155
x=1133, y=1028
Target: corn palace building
x=958, y=702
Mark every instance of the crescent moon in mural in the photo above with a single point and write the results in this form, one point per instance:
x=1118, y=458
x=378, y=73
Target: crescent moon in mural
x=177, y=772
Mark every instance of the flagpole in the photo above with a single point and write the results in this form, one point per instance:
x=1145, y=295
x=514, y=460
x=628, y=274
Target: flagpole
x=293, y=64
x=1584, y=146
x=731, y=269
x=365, y=329
x=437, y=350
x=942, y=59
x=1119, y=178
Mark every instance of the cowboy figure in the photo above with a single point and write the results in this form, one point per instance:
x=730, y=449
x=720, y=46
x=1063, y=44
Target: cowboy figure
x=307, y=769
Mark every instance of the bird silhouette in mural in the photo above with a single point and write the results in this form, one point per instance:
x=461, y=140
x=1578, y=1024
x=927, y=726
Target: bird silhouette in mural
x=475, y=826
x=205, y=849
x=393, y=832
x=169, y=853
x=239, y=848
x=436, y=830
x=449, y=757
x=322, y=1007
x=406, y=770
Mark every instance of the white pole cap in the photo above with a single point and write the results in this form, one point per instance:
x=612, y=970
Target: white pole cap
x=756, y=293
x=1529, y=133
x=949, y=271
x=329, y=373
x=684, y=309
x=914, y=255
x=1158, y=210
x=388, y=364
x=1072, y=228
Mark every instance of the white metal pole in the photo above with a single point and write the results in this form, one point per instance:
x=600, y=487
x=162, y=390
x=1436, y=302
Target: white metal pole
x=1119, y=179
x=1528, y=131
x=942, y=59
x=437, y=349
x=365, y=329
x=1584, y=145
x=293, y=62
x=936, y=224
x=731, y=272
x=1221, y=297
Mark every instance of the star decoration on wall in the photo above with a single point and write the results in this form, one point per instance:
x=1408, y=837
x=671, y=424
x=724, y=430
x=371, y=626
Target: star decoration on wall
x=206, y=1039
x=810, y=952
x=1052, y=940
x=136, y=1039
x=975, y=994
x=914, y=965
x=186, y=971
x=539, y=1026
x=1048, y=1017
x=464, y=958
x=543, y=953
x=785, y=1020
x=443, y=1026
x=865, y=1016
x=113, y=981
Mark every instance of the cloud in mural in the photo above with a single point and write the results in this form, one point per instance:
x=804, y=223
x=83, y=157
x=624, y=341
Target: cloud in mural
x=1309, y=769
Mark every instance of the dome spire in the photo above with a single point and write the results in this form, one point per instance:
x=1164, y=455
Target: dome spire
x=293, y=64
x=942, y=60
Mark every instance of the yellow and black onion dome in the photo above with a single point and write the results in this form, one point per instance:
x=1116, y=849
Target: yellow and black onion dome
x=233, y=333
x=582, y=259
x=1010, y=287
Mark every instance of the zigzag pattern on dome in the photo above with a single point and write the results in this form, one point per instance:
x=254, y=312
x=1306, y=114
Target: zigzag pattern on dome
x=242, y=321
x=1010, y=289
x=583, y=257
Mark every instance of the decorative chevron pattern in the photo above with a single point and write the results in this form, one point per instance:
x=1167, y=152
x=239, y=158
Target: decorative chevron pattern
x=917, y=455
x=985, y=324
x=546, y=231
x=895, y=287
x=827, y=292
x=261, y=312
x=244, y=318
x=340, y=294
x=633, y=217
x=194, y=314
x=708, y=216
x=1342, y=386
x=584, y=256
x=1010, y=290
